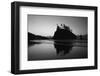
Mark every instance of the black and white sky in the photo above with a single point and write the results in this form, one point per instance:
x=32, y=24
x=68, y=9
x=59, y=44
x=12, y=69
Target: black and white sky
x=45, y=25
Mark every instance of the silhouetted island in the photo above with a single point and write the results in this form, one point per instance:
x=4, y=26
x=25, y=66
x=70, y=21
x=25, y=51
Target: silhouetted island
x=63, y=32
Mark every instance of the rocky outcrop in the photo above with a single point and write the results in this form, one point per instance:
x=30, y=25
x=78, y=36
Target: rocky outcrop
x=63, y=32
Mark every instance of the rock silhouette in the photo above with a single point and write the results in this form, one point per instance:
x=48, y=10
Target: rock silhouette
x=63, y=32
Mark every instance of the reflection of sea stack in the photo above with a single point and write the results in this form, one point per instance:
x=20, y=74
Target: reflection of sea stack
x=63, y=48
x=63, y=32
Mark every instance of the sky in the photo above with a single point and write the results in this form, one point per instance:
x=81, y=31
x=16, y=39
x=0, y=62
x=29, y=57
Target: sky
x=45, y=25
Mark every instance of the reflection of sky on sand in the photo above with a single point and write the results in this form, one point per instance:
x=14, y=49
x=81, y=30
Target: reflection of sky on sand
x=48, y=49
x=81, y=43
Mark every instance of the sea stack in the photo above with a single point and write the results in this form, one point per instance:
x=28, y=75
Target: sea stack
x=63, y=32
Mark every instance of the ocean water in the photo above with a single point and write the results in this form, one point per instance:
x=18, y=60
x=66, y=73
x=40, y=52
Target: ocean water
x=57, y=49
